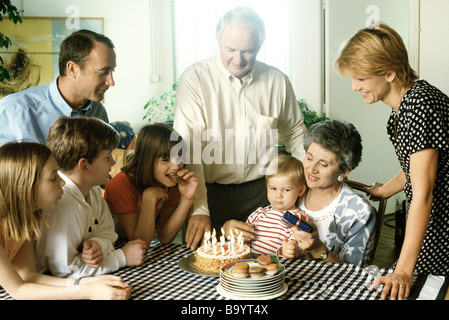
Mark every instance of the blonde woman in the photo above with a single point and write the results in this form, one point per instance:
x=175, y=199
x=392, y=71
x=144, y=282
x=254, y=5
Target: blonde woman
x=376, y=59
x=29, y=183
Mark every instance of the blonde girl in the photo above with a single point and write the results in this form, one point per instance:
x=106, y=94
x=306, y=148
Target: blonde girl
x=29, y=184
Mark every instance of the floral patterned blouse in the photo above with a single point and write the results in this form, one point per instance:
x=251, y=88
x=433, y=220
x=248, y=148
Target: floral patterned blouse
x=346, y=226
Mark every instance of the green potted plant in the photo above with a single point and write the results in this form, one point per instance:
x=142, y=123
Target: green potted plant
x=166, y=113
x=310, y=116
x=13, y=14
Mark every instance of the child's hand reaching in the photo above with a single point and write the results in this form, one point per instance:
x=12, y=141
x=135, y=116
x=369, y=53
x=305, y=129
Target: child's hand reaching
x=290, y=248
x=92, y=253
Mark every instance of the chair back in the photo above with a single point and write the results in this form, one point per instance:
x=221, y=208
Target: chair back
x=379, y=215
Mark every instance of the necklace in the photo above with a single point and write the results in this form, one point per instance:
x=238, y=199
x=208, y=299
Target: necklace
x=396, y=115
x=306, y=200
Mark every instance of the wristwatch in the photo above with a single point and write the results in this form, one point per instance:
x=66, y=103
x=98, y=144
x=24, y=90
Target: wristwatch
x=323, y=256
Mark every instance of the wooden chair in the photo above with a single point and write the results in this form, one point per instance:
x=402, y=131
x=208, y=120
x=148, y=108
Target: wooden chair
x=379, y=215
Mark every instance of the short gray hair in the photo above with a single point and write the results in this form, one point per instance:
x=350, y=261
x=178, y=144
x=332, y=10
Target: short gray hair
x=243, y=15
x=338, y=137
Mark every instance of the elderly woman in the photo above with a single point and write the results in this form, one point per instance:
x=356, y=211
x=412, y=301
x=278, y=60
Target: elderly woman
x=343, y=220
x=377, y=61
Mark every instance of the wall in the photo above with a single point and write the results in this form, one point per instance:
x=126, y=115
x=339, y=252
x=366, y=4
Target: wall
x=128, y=26
x=434, y=43
x=307, y=66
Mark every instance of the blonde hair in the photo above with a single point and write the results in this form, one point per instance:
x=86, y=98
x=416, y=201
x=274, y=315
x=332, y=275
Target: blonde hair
x=376, y=51
x=287, y=165
x=21, y=165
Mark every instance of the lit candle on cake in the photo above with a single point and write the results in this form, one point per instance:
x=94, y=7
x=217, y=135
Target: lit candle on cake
x=240, y=240
x=206, y=240
x=232, y=243
x=214, y=241
x=222, y=238
x=232, y=238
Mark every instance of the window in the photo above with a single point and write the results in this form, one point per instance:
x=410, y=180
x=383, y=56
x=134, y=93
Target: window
x=194, y=23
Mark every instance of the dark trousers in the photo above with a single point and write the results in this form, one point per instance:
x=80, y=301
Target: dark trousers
x=235, y=201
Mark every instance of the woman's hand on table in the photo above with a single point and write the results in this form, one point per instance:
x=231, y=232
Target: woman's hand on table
x=237, y=227
x=398, y=284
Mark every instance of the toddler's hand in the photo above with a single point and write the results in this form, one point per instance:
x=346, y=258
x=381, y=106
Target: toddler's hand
x=289, y=248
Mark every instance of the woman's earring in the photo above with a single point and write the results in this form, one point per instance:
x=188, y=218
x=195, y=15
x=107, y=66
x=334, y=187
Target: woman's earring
x=340, y=178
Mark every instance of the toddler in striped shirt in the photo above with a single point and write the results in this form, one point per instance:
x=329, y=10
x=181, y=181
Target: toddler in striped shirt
x=264, y=227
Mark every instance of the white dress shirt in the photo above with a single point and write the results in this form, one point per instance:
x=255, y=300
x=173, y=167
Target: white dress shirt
x=232, y=126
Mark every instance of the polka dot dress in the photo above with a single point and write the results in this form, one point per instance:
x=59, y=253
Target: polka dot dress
x=421, y=123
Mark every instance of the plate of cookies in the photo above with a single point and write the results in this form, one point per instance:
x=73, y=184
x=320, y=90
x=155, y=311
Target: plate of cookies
x=261, y=278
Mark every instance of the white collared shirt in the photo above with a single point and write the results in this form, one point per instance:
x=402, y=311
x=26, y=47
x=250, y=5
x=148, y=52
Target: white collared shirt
x=231, y=124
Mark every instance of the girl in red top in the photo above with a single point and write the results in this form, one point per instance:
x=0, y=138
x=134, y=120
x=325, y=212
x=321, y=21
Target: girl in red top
x=29, y=183
x=145, y=190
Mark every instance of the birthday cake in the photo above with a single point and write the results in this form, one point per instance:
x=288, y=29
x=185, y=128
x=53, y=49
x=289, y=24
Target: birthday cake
x=212, y=255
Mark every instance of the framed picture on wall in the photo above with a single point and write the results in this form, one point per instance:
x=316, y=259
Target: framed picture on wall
x=33, y=57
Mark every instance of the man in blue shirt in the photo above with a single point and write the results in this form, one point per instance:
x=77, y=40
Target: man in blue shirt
x=86, y=63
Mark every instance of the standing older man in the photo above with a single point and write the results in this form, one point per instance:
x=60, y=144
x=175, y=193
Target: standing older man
x=86, y=62
x=230, y=106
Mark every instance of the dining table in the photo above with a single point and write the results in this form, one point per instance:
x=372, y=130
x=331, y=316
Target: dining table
x=163, y=277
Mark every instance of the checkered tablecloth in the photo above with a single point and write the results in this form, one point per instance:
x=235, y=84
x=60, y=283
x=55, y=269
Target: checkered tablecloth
x=161, y=278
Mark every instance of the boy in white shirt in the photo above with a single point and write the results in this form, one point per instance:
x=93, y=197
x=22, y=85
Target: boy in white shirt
x=78, y=238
